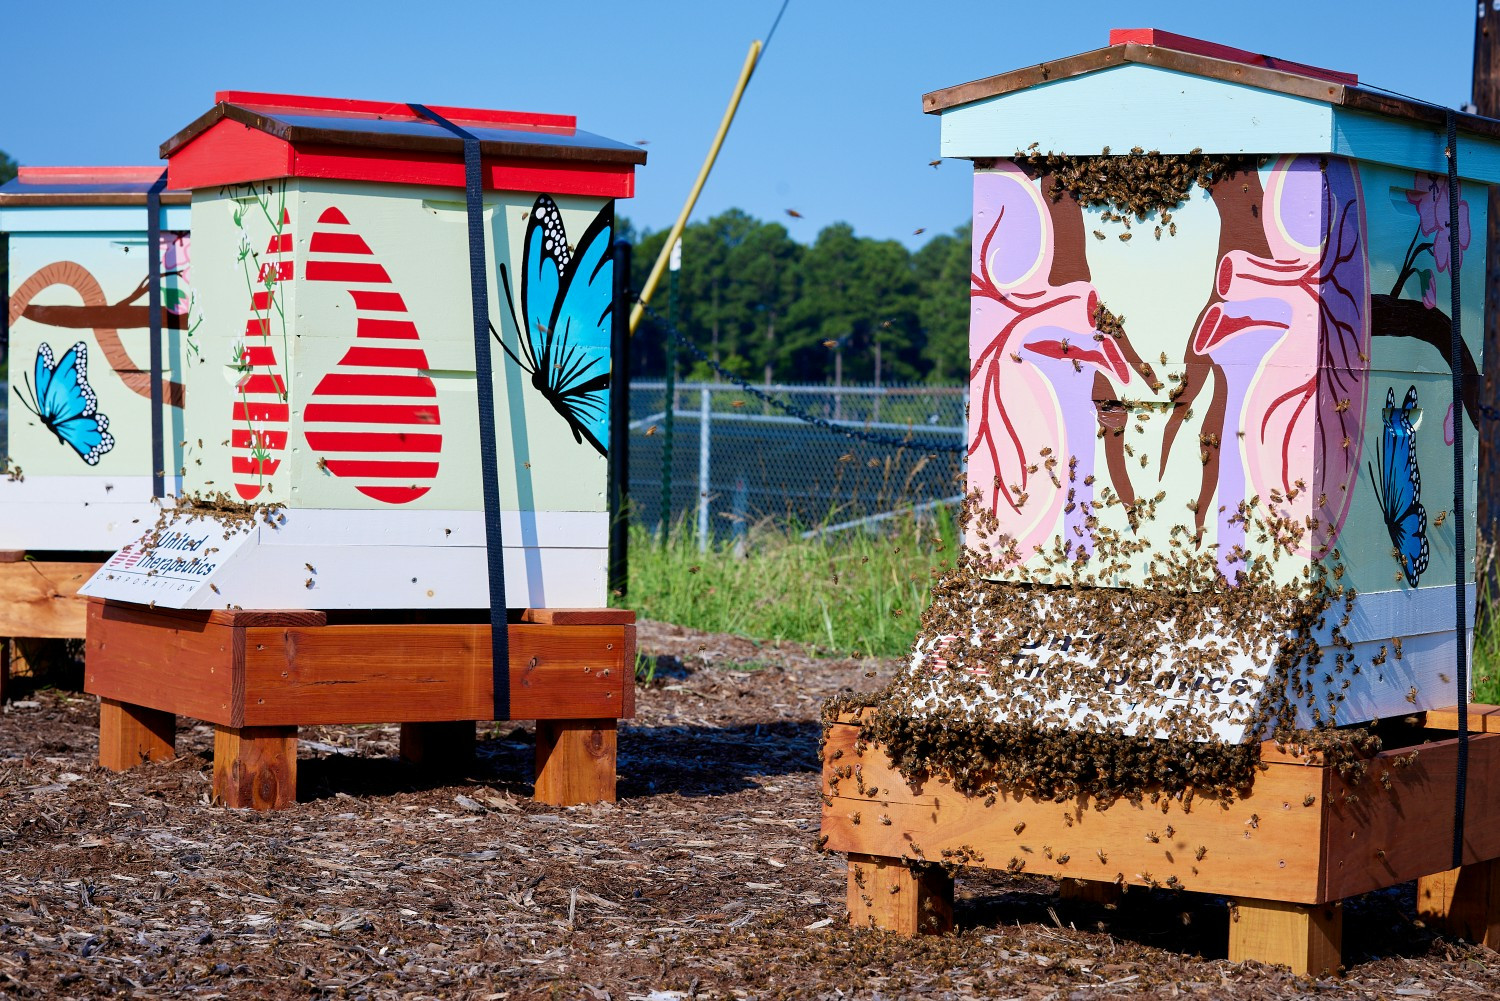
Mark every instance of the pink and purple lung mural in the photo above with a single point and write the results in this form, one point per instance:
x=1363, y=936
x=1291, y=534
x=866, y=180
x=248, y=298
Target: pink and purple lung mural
x=1274, y=394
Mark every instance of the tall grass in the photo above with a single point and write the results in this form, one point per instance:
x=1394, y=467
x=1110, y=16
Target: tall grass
x=854, y=591
x=1486, y=666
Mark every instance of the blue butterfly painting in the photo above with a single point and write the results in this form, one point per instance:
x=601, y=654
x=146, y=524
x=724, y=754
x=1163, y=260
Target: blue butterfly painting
x=1399, y=486
x=565, y=318
x=63, y=400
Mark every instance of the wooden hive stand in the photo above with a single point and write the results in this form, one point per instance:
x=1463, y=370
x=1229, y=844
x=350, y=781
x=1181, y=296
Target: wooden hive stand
x=39, y=600
x=1286, y=854
x=259, y=675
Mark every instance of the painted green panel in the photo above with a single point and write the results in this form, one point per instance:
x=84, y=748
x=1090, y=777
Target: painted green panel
x=370, y=335
x=89, y=288
x=1401, y=143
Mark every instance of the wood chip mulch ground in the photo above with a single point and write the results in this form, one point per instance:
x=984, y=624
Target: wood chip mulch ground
x=703, y=881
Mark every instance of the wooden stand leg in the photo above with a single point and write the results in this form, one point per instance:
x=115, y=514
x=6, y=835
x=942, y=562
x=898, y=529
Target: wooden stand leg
x=1464, y=902
x=886, y=893
x=130, y=735
x=255, y=767
x=1306, y=937
x=575, y=761
x=1089, y=891
x=5, y=645
x=441, y=747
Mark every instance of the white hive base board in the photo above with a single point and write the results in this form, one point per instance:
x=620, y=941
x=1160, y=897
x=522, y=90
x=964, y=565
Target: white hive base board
x=360, y=560
x=1225, y=690
x=75, y=513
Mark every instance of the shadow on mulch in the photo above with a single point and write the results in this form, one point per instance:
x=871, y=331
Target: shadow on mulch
x=1377, y=925
x=691, y=761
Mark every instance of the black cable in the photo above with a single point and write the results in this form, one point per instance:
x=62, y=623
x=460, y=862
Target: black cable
x=489, y=467
x=767, y=43
x=153, y=307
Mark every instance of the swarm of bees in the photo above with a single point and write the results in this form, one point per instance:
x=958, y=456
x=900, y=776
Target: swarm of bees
x=1138, y=184
x=1027, y=680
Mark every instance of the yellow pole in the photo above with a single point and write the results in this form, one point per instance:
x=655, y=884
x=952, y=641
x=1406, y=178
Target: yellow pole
x=692, y=199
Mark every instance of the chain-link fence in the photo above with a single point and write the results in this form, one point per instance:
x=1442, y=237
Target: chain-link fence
x=736, y=460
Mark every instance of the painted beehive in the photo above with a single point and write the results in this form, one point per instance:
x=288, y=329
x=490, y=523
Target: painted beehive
x=1274, y=345
x=338, y=374
x=78, y=449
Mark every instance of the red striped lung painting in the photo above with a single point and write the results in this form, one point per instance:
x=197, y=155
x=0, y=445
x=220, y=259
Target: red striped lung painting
x=258, y=428
x=374, y=418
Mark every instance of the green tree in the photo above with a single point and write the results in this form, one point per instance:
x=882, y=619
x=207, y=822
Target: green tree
x=767, y=307
x=942, y=267
x=860, y=296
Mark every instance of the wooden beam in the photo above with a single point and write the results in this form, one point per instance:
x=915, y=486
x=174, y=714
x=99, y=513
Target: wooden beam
x=1306, y=937
x=1483, y=718
x=886, y=893
x=181, y=664
x=40, y=598
x=575, y=761
x=1397, y=824
x=1464, y=902
x=130, y=735
x=379, y=673
x=579, y=616
x=255, y=766
x=445, y=747
x=1269, y=843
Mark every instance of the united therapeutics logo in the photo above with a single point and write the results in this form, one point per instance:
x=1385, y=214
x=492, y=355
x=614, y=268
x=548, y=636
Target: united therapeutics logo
x=126, y=558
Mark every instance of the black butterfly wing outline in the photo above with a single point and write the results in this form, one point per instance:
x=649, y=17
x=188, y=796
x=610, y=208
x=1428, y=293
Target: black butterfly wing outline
x=566, y=301
x=1399, y=487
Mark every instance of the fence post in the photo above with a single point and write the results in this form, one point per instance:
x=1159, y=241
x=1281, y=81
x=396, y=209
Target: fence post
x=703, y=446
x=669, y=346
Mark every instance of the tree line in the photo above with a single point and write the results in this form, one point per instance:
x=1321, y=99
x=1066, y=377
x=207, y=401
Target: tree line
x=771, y=309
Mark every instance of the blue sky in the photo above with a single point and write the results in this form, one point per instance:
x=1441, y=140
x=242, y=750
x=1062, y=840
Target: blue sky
x=831, y=125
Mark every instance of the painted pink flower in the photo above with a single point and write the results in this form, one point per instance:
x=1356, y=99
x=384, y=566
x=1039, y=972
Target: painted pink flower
x=1431, y=201
x=176, y=264
x=1448, y=425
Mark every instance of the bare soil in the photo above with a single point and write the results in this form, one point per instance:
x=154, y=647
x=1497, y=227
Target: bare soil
x=703, y=881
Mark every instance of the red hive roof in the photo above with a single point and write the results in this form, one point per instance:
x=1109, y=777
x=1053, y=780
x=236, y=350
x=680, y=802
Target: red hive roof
x=252, y=137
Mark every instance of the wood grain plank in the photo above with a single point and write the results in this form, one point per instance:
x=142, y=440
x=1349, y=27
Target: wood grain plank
x=40, y=598
x=886, y=893
x=1378, y=836
x=176, y=663
x=579, y=616
x=575, y=761
x=131, y=735
x=1483, y=718
x=1463, y=902
x=255, y=767
x=282, y=618
x=1262, y=846
x=429, y=673
x=1306, y=937
x=627, y=680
